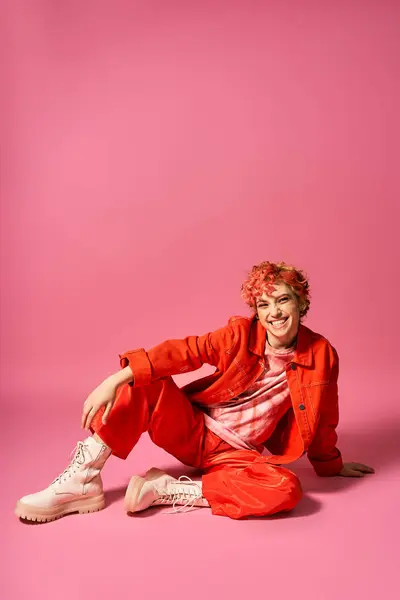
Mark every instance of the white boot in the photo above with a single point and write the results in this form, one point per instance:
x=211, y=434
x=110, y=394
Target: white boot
x=157, y=487
x=78, y=489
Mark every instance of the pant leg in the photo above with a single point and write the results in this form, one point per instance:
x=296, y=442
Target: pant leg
x=236, y=483
x=241, y=483
x=161, y=409
x=128, y=419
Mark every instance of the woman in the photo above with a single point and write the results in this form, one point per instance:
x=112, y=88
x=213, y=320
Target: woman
x=275, y=387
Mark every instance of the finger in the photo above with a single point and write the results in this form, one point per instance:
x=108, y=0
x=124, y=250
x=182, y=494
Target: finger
x=364, y=468
x=106, y=413
x=353, y=473
x=360, y=467
x=90, y=417
x=85, y=412
x=348, y=472
x=85, y=416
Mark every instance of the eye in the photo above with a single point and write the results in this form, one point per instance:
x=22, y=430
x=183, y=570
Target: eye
x=285, y=299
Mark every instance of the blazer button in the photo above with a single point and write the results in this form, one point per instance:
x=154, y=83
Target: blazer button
x=302, y=407
x=293, y=366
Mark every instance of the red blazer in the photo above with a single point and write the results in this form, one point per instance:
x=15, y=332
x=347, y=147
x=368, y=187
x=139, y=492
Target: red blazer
x=237, y=352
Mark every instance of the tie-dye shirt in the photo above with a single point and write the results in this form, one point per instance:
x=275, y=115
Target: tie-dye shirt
x=247, y=421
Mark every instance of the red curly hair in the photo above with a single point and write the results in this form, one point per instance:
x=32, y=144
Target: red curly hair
x=262, y=278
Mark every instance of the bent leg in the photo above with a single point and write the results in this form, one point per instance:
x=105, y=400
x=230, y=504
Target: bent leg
x=161, y=409
x=128, y=419
x=241, y=483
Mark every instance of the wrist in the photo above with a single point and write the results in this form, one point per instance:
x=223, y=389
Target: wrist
x=121, y=377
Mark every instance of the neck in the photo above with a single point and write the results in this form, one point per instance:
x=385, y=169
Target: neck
x=281, y=344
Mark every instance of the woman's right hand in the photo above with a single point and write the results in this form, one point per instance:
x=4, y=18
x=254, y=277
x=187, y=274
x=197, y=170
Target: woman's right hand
x=103, y=395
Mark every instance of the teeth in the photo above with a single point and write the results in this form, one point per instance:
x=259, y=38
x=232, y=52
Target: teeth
x=279, y=322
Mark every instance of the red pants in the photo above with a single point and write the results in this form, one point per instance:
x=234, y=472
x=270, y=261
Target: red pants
x=236, y=483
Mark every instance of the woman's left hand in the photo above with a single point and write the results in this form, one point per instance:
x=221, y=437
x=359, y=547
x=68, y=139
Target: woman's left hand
x=352, y=469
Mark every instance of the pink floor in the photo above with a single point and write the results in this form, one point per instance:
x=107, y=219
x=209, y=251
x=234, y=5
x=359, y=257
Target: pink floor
x=340, y=542
x=152, y=152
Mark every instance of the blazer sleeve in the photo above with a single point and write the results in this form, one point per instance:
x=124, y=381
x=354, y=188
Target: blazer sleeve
x=323, y=454
x=173, y=357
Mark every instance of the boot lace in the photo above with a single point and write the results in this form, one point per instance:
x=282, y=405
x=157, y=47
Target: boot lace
x=78, y=459
x=182, y=494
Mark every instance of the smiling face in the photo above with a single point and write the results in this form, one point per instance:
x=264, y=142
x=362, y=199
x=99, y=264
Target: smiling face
x=279, y=312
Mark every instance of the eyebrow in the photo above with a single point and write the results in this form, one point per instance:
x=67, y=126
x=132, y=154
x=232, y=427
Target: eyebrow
x=277, y=298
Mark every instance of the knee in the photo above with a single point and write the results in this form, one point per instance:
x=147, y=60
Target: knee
x=293, y=489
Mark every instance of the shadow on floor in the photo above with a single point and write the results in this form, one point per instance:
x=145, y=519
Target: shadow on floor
x=378, y=446
x=307, y=507
x=114, y=494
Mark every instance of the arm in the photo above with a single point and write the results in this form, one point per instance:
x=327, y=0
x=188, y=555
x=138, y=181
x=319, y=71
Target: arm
x=322, y=452
x=173, y=357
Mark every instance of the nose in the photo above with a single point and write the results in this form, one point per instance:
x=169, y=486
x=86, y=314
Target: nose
x=276, y=311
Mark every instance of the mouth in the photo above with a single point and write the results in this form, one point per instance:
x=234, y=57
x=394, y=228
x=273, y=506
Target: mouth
x=278, y=324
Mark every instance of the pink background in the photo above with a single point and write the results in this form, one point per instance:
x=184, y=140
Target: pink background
x=152, y=152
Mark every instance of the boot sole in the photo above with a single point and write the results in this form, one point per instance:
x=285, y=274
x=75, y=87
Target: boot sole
x=135, y=487
x=44, y=515
x=133, y=492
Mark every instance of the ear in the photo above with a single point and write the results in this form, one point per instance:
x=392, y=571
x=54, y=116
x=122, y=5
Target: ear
x=302, y=308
